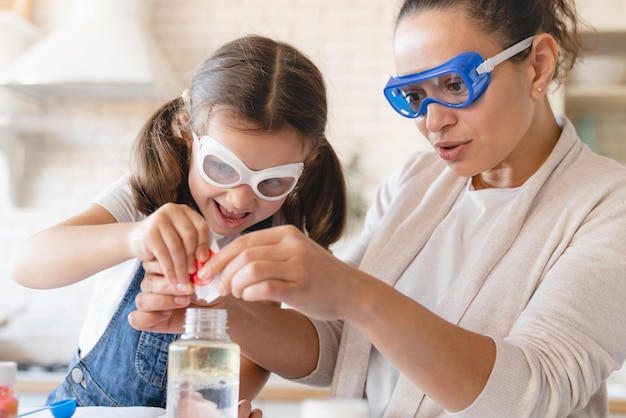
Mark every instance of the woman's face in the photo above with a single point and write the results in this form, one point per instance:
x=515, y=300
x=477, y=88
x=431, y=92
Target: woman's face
x=489, y=137
x=230, y=211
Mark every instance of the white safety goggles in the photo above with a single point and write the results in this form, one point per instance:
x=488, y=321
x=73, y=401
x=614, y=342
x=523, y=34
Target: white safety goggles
x=221, y=168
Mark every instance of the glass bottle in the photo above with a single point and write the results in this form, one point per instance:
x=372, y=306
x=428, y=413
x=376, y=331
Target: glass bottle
x=8, y=396
x=203, y=368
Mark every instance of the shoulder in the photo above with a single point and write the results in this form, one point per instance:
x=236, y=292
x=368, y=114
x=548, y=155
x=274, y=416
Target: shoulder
x=117, y=198
x=590, y=174
x=574, y=170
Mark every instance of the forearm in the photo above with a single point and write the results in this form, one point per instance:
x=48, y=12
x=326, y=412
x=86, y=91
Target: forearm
x=65, y=254
x=435, y=354
x=252, y=379
x=280, y=340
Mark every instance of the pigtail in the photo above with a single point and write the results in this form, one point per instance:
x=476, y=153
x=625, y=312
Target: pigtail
x=160, y=161
x=318, y=204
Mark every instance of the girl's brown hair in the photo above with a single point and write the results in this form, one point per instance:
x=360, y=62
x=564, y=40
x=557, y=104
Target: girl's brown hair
x=511, y=21
x=266, y=86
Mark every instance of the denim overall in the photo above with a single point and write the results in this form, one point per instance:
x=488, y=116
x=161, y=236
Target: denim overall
x=126, y=367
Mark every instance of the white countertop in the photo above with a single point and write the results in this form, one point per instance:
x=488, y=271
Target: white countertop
x=276, y=389
x=106, y=412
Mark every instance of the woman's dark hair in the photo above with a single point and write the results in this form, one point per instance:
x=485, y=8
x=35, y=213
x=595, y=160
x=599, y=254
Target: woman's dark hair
x=265, y=86
x=511, y=21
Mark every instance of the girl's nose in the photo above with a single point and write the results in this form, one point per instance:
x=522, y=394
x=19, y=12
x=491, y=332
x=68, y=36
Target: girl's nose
x=241, y=198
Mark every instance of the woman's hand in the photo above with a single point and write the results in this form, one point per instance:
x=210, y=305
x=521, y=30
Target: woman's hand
x=174, y=235
x=283, y=265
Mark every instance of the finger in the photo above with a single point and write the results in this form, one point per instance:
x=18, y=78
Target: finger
x=150, y=321
x=194, y=233
x=156, y=283
x=267, y=275
x=202, y=256
x=204, y=253
x=246, y=411
x=152, y=266
x=267, y=290
x=227, y=263
x=176, y=238
x=154, y=302
x=251, y=240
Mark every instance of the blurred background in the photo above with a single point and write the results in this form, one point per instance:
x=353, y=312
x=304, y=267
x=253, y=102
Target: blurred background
x=67, y=124
x=78, y=78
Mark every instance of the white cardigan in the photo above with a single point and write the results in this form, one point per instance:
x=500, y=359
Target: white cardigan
x=550, y=288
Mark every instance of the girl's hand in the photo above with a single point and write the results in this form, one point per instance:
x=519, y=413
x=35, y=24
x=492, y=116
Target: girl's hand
x=161, y=305
x=174, y=235
x=246, y=411
x=283, y=265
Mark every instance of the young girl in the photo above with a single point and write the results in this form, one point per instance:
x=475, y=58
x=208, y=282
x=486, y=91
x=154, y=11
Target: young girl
x=490, y=279
x=243, y=149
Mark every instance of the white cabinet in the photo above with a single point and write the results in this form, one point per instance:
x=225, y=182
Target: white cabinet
x=604, y=15
x=594, y=93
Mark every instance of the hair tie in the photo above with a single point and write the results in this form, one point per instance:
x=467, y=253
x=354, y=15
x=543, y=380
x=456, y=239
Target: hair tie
x=185, y=97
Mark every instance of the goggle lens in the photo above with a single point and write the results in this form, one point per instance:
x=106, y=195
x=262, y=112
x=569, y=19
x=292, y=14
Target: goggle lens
x=450, y=89
x=276, y=187
x=219, y=171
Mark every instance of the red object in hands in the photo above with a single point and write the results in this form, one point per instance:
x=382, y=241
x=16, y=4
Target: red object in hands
x=194, y=276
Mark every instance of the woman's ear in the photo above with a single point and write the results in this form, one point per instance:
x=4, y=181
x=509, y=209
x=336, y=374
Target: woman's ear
x=544, y=56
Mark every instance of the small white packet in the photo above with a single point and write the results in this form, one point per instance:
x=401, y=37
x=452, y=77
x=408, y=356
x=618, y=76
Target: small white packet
x=210, y=292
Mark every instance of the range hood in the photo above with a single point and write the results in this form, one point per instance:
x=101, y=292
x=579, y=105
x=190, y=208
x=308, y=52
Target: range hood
x=105, y=52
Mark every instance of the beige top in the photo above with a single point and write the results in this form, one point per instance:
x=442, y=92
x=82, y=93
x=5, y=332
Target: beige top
x=550, y=288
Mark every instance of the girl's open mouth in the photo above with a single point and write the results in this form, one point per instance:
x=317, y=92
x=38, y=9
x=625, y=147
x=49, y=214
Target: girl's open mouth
x=231, y=218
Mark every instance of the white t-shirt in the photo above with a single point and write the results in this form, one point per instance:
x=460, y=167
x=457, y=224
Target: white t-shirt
x=111, y=284
x=451, y=245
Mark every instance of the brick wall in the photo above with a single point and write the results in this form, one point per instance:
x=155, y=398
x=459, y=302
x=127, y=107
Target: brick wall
x=73, y=150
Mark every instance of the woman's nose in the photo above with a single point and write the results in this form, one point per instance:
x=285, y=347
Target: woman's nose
x=438, y=116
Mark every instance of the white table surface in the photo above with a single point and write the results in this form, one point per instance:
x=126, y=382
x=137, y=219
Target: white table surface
x=104, y=412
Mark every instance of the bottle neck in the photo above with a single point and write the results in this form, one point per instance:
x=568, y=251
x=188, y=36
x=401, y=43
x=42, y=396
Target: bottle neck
x=209, y=324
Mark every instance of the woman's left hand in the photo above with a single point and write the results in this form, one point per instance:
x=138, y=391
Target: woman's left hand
x=283, y=265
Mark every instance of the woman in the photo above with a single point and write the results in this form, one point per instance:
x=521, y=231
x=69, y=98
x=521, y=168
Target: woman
x=488, y=281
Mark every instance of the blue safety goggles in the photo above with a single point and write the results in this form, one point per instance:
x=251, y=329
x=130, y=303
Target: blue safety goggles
x=456, y=83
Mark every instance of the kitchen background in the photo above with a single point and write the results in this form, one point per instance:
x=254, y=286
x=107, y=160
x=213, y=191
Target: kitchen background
x=58, y=150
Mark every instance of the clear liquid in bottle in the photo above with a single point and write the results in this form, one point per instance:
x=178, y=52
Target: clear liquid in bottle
x=203, y=369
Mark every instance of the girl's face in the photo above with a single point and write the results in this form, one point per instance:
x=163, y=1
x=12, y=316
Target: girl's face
x=490, y=136
x=230, y=211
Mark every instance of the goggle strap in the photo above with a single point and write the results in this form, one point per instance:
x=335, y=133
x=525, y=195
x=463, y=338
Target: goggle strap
x=490, y=63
